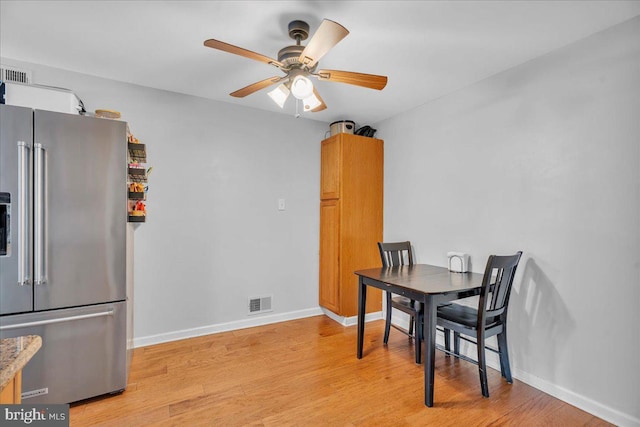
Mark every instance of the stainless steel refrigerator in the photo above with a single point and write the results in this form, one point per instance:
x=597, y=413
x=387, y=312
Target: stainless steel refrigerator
x=63, y=251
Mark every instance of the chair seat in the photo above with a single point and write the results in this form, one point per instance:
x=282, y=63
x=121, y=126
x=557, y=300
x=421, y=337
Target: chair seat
x=464, y=315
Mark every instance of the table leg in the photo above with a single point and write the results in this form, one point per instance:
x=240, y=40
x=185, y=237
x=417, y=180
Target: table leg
x=362, y=300
x=429, y=334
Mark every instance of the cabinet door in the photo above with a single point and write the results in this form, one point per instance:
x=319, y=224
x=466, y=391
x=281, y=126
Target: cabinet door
x=330, y=255
x=330, y=168
x=361, y=202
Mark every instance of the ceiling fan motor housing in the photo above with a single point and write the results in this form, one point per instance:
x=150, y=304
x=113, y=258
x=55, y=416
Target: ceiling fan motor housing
x=298, y=30
x=290, y=55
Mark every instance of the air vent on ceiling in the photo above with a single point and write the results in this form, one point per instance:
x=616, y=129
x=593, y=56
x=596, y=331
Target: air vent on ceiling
x=260, y=305
x=13, y=74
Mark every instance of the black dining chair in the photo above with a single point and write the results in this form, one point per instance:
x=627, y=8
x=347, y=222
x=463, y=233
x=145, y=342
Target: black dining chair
x=489, y=319
x=393, y=254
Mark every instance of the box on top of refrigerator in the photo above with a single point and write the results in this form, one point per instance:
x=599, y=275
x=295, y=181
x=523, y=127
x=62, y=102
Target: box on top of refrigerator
x=42, y=98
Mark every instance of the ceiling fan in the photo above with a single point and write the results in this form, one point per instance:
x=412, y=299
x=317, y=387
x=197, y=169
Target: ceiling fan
x=301, y=62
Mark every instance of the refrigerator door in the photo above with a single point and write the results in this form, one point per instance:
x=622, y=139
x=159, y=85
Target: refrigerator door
x=83, y=352
x=16, y=135
x=80, y=208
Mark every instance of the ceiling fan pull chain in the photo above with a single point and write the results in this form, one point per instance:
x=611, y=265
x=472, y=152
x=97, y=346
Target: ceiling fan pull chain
x=297, y=108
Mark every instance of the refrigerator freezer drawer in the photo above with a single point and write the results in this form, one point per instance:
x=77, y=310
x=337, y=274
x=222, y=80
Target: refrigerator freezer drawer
x=83, y=352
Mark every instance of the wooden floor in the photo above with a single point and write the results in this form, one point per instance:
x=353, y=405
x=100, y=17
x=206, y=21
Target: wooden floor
x=305, y=373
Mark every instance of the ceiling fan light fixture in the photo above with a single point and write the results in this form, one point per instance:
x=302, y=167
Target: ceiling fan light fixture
x=280, y=95
x=311, y=102
x=301, y=87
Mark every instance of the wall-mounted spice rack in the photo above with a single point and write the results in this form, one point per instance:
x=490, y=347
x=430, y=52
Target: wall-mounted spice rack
x=137, y=178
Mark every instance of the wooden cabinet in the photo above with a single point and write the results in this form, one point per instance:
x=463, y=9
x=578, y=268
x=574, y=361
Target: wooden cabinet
x=11, y=394
x=15, y=353
x=351, y=198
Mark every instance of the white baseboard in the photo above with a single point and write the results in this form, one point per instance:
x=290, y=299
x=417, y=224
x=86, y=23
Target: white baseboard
x=224, y=327
x=591, y=406
x=353, y=320
x=493, y=361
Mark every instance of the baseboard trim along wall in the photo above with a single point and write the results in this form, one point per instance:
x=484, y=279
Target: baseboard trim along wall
x=353, y=320
x=591, y=406
x=595, y=408
x=225, y=327
x=249, y=323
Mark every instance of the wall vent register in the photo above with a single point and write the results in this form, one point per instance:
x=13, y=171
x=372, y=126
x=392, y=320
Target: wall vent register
x=260, y=305
x=13, y=74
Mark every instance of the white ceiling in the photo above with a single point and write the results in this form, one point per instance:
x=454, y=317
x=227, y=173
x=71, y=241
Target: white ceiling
x=427, y=48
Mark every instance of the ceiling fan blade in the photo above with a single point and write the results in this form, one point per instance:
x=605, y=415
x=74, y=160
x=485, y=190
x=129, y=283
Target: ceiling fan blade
x=327, y=35
x=371, y=81
x=226, y=47
x=248, y=90
x=322, y=105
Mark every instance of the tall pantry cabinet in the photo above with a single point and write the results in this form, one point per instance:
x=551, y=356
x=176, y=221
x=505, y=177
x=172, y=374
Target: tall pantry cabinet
x=351, y=198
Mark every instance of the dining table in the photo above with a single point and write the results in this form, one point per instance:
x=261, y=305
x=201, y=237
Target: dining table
x=428, y=284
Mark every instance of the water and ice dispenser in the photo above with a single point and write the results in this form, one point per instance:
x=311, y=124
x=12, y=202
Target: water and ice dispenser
x=5, y=224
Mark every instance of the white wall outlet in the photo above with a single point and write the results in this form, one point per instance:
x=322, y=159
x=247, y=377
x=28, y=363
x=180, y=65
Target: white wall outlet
x=280, y=204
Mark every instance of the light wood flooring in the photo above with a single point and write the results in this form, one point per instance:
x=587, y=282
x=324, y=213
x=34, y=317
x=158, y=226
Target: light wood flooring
x=305, y=373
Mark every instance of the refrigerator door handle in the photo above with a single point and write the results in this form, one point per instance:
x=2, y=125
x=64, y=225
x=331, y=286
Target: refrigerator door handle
x=23, y=213
x=60, y=320
x=40, y=216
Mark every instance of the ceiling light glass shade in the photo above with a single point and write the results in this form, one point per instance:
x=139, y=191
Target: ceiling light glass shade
x=280, y=95
x=311, y=102
x=301, y=87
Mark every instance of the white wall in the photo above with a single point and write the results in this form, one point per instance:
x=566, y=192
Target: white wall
x=214, y=236
x=543, y=158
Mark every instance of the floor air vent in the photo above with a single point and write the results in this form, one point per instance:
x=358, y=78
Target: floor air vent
x=259, y=305
x=13, y=74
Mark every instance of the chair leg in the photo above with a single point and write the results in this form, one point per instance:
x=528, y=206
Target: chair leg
x=387, y=324
x=456, y=343
x=420, y=316
x=447, y=341
x=411, y=321
x=504, y=356
x=419, y=338
x=482, y=364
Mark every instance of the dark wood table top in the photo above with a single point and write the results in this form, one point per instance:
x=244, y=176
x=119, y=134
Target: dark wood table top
x=424, y=278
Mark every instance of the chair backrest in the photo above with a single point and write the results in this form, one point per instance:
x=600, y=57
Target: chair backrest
x=499, y=272
x=397, y=253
